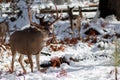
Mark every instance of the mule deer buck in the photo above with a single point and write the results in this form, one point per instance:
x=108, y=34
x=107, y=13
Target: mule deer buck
x=29, y=42
x=4, y=29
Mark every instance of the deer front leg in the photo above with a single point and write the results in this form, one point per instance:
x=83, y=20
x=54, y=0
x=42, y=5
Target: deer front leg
x=31, y=62
x=13, y=59
x=38, y=61
x=21, y=63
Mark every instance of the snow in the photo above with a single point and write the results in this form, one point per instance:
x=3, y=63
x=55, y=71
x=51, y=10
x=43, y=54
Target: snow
x=90, y=68
x=91, y=62
x=86, y=69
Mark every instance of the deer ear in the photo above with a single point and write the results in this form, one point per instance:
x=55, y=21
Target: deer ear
x=72, y=7
x=68, y=7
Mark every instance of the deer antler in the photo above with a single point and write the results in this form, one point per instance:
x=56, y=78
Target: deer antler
x=30, y=19
x=38, y=25
x=29, y=14
x=58, y=17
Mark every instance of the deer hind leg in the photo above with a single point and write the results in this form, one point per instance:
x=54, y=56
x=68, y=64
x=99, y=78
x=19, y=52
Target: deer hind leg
x=38, y=61
x=31, y=62
x=21, y=63
x=3, y=39
x=13, y=59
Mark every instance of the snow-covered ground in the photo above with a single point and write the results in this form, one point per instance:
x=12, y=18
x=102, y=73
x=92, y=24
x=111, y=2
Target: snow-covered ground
x=91, y=63
x=85, y=61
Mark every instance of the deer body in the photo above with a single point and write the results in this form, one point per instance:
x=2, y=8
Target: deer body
x=27, y=42
x=30, y=41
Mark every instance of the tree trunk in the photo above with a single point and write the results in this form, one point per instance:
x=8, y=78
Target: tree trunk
x=59, y=2
x=109, y=7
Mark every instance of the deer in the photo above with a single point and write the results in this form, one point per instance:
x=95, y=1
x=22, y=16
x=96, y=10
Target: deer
x=4, y=29
x=30, y=41
x=75, y=20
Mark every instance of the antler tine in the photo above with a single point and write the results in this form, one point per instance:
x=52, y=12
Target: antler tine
x=30, y=19
x=29, y=14
x=58, y=17
x=56, y=9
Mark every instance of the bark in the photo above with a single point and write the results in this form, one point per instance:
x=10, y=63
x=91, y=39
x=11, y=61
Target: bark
x=109, y=7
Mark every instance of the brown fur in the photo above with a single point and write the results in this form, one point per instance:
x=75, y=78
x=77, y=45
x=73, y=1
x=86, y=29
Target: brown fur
x=28, y=42
x=3, y=30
